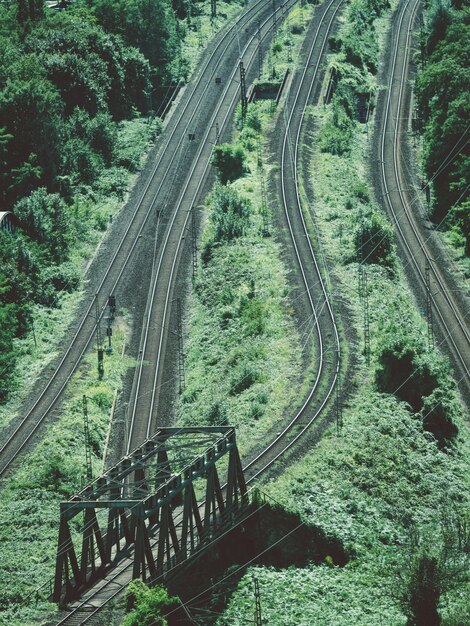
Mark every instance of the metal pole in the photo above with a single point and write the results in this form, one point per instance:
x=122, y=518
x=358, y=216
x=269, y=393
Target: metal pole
x=258, y=618
x=243, y=97
x=86, y=429
x=99, y=343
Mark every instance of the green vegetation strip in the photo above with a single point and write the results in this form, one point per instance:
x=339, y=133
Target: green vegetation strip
x=244, y=352
x=392, y=487
x=443, y=111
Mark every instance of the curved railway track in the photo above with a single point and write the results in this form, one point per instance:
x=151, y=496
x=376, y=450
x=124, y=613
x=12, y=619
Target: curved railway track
x=300, y=97
x=150, y=369
x=415, y=239
x=175, y=155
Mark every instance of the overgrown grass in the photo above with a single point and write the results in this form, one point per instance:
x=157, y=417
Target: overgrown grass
x=29, y=501
x=243, y=351
x=385, y=488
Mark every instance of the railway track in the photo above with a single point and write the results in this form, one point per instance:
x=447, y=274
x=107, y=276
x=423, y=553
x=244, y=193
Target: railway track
x=152, y=370
x=304, y=87
x=175, y=156
x=420, y=252
x=327, y=339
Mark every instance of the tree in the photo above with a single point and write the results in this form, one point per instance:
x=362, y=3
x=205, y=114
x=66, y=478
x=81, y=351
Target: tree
x=437, y=561
x=149, y=25
x=374, y=241
x=43, y=217
x=8, y=328
x=403, y=373
x=31, y=111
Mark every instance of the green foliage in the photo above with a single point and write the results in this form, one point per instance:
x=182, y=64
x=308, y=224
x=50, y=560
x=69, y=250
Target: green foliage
x=354, y=64
x=230, y=214
x=439, y=415
x=338, y=132
x=8, y=326
x=141, y=23
x=374, y=241
x=43, y=218
x=147, y=605
x=230, y=162
x=403, y=374
x=442, y=90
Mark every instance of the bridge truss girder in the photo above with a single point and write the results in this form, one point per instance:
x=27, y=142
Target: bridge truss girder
x=145, y=508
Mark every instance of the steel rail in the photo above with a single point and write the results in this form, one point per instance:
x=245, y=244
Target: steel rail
x=232, y=32
x=335, y=6
x=458, y=323
x=299, y=413
x=170, y=284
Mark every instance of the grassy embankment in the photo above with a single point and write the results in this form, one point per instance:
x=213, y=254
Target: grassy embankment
x=243, y=350
x=393, y=487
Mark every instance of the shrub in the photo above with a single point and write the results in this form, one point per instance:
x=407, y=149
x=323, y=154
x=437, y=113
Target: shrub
x=229, y=161
x=253, y=316
x=338, y=133
x=246, y=377
x=437, y=413
x=374, y=241
x=43, y=217
x=230, y=214
x=147, y=606
x=404, y=375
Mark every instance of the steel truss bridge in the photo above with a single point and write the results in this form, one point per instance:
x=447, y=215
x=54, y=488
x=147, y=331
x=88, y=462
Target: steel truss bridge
x=165, y=500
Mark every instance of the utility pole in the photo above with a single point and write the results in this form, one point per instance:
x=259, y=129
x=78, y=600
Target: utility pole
x=112, y=306
x=243, y=98
x=258, y=618
x=109, y=334
x=194, y=240
x=99, y=342
x=179, y=324
x=86, y=429
x=429, y=307
x=213, y=9
x=217, y=133
x=274, y=17
x=260, y=52
x=364, y=295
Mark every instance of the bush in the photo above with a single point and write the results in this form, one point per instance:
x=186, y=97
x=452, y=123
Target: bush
x=374, y=241
x=230, y=214
x=246, y=377
x=404, y=375
x=147, y=606
x=44, y=219
x=338, y=133
x=438, y=413
x=229, y=161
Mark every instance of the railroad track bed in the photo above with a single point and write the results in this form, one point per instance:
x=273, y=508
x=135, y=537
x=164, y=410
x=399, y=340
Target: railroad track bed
x=302, y=90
